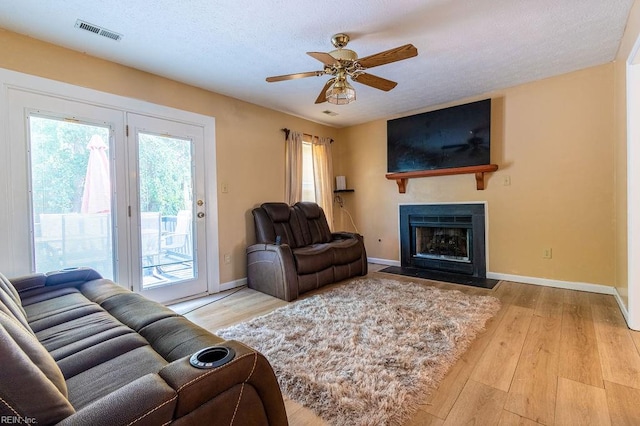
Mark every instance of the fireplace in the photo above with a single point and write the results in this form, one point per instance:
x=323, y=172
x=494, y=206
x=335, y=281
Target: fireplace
x=444, y=238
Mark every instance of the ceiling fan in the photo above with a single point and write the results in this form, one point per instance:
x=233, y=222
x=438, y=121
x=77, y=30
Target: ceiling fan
x=342, y=63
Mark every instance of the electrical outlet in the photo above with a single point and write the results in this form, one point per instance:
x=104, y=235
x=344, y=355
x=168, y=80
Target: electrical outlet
x=547, y=253
x=225, y=187
x=506, y=180
x=227, y=258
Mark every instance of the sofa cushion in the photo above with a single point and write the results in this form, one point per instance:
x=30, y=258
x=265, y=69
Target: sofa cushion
x=68, y=333
x=314, y=258
x=96, y=382
x=136, y=311
x=10, y=291
x=346, y=251
x=278, y=212
x=80, y=356
x=64, y=305
x=177, y=337
x=316, y=280
x=11, y=304
x=283, y=221
x=100, y=290
x=40, y=393
x=313, y=223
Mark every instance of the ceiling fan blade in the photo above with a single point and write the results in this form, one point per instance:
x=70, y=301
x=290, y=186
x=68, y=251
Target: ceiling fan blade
x=392, y=55
x=294, y=76
x=322, y=97
x=323, y=57
x=375, y=81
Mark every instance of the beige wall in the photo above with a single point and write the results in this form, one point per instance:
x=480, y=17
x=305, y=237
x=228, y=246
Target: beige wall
x=249, y=143
x=553, y=138
x=632, y=32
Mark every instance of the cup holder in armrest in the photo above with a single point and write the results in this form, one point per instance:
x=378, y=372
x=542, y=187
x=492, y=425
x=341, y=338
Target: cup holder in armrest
x=212, y=357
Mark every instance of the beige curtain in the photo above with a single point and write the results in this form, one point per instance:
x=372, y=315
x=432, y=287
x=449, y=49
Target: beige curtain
x=323, y=176
x=293, y=168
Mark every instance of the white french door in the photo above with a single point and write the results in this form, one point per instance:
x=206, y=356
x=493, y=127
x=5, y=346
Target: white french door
x=167, y=190
x=49, y=159
x=121, y=192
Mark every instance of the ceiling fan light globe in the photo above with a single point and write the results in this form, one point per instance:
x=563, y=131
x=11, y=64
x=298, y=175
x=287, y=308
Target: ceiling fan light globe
x=344, y=55
x=340, y=93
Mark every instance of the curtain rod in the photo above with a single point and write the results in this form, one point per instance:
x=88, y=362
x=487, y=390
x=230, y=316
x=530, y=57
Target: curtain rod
x=287, y=131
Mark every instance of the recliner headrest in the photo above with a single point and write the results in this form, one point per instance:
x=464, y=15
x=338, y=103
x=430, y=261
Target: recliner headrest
x=309, y=209
x=278, y=212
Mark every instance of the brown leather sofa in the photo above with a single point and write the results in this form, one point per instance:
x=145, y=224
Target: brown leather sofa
x=296, y=252
x=77, y=349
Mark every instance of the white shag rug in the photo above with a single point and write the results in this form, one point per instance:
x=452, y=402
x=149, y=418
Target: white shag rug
x=368, y=352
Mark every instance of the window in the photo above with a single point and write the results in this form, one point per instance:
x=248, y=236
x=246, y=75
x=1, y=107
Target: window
x=308, y=180
x=308, y=171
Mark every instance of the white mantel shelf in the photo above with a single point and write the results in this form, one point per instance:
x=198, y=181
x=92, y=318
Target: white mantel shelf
x=402, y=178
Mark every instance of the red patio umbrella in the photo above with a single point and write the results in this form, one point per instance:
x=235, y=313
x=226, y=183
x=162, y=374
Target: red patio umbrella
x=96, y=197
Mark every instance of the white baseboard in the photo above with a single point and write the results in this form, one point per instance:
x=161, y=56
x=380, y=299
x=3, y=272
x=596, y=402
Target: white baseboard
x=383, y=261
x=569, y=285
x=232, y=284
x=623, y=308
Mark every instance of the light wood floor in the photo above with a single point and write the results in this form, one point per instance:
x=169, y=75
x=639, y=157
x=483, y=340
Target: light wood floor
x=550, y=356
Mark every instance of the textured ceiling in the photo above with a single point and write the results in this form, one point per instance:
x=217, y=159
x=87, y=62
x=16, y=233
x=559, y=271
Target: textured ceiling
x=466, y=47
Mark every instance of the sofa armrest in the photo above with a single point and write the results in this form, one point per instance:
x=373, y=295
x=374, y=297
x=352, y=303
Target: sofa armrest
x=72, y=276
x=28, y=282
x=145, y=401
x=34, y=283
x=271, y=269
x=195, y=386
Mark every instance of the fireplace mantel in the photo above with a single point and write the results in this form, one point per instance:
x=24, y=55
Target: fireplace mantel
x=402, y=178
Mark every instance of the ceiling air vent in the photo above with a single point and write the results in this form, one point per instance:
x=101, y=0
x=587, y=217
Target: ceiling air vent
x=330, y=113
x=98, y=30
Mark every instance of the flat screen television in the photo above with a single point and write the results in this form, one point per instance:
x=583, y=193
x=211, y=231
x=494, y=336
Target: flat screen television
x=458, y=136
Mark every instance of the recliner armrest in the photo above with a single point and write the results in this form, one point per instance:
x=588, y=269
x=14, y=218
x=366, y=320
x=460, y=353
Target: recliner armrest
x=196, y=386
x=65, y=277
x=268, y=247
x=146, y=401
x=345, y=235
x=72, y=276
x=28, y=282
x=271, y=269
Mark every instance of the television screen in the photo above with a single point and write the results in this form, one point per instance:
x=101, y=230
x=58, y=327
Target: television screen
x=458, y=136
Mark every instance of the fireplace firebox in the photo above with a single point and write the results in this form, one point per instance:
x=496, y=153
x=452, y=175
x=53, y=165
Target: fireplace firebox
x=444, y=237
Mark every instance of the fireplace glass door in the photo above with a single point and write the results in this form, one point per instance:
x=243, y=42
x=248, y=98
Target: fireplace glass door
x=448, y=243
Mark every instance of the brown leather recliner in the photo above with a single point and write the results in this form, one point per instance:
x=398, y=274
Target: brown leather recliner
x=296, y=252
x=77, y=349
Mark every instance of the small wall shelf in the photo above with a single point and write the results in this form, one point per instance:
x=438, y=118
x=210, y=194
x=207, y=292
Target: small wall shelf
x=335, y=191
x=402, y=178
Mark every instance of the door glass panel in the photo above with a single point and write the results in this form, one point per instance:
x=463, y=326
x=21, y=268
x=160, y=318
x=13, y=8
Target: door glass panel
x=165, y=167
x=70, y=195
